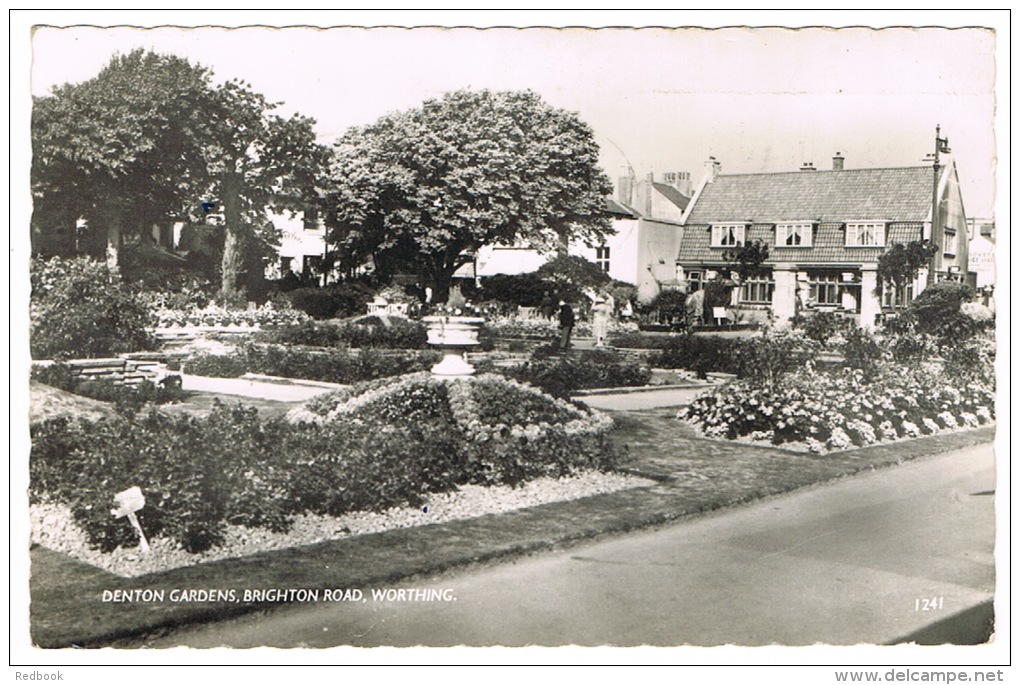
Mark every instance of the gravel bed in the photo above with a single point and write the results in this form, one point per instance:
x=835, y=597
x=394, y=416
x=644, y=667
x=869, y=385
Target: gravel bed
x=53, y=527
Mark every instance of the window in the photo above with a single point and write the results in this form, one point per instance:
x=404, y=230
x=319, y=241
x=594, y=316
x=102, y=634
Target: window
x=865, y=234
x=757, y=290
x=897, y=297
x=694, y=281
x=727, y=235
x=824, y=288
x=312, y=267
x=793, y=234
x=311, y=218
x=602, y=258
x=285, y=264
x=949, y=241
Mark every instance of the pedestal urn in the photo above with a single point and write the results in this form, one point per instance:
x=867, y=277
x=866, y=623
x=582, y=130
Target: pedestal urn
x=454, y=336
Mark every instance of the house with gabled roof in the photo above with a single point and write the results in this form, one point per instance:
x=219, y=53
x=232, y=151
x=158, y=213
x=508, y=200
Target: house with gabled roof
x=646, y=219
x=825, y=231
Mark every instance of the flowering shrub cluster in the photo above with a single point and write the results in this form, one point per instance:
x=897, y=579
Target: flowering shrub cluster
x=834, y=411
x=505, y=432
x=539, y=328
x=214, y=316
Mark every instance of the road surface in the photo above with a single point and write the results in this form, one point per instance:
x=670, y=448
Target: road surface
x=869, y=559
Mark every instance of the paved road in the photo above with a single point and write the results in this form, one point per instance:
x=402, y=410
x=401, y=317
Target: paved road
x=853, y=562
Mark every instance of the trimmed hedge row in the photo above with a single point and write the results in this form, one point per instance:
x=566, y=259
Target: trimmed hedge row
x=331, y=365
x=367, y=332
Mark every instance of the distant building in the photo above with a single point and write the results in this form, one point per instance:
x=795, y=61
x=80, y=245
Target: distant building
x=646, y=221
x=825, y=231
x=302, y=243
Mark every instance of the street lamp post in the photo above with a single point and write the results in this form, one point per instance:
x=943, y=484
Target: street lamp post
x=941, y=145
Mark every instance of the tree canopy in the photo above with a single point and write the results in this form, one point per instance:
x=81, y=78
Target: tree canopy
x=901, y=263
x=123, y=149
x=152, y=139
x=420, y=191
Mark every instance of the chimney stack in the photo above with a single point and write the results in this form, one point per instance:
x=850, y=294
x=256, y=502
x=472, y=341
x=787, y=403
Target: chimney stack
x=625, y=190
x=808, y=166
x=837, y=162
x=712, y=169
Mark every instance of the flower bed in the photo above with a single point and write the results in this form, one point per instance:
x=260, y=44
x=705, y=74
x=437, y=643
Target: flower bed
x=369, y=448
x=213, y=316
x=841, y=410
x=543, y=329
x=506, y=432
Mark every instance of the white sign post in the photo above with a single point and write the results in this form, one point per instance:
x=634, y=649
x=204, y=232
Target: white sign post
x=128, y=502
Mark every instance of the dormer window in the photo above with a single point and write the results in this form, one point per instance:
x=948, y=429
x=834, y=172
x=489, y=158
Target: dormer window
x=728, y=235
x=865, y=234
x=794, y=234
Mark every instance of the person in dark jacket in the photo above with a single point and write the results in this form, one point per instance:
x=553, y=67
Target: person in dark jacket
x=566, y=324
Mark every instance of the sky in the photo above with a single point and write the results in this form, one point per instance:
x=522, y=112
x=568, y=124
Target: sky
x=759, y=100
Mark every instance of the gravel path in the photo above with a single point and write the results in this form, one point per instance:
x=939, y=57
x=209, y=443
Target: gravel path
x=53, y=527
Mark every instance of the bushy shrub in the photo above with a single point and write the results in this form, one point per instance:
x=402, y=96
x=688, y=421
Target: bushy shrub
x=767, y=359
x=972, y=361
x=936, y=312
x=702, y=354
x=666, y=307
x=862, y=350
x=561, y=376
x=79, y=308
x=823, y=326
x=519, y=290
x=335, y=301
x=180, y=291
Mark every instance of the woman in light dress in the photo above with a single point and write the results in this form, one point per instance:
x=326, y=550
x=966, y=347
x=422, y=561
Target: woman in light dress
x=601, y=312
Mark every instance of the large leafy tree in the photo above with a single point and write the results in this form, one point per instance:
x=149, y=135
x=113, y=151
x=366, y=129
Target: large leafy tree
x=152, y=139
x=257, y=158
x=420, y=191
x=900, y=264
x=122, y=150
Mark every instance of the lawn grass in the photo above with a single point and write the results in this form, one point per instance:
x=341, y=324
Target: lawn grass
x=694, y=474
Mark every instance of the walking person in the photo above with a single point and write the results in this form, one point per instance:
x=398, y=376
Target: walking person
x=566, y=324
x=600, y=321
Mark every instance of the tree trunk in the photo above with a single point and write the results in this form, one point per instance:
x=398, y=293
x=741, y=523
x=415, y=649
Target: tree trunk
x=231, y=265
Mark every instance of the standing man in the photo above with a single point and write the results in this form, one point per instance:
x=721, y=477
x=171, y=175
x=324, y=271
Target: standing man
x=566, y=324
